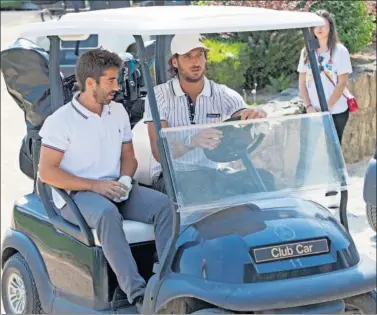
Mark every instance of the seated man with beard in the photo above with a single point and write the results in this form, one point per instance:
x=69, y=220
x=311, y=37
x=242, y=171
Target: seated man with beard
x=87, y=150
x=190, y=98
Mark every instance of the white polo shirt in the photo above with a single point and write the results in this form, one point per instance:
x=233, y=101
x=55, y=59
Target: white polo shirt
x=214, y=104
x=91, y=144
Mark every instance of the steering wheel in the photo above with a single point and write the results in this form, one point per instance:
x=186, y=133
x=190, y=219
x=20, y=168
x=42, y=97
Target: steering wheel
x=236, y=142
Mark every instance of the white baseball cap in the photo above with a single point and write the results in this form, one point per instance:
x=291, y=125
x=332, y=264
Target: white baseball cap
x=183, y=43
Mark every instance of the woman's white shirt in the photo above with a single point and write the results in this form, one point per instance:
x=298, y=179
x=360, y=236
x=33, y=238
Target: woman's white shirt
x=339, y=64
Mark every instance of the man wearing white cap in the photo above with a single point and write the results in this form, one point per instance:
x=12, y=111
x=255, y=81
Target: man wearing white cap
x=190, y=98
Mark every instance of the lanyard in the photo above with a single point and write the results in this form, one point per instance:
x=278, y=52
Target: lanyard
x=191, y=109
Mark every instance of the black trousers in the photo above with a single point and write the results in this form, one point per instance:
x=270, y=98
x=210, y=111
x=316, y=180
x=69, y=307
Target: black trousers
x=340, y=122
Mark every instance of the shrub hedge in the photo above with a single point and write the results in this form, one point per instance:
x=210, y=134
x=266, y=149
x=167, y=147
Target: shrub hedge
x=243, y=59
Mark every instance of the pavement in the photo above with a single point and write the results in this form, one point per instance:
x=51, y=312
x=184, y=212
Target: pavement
x=14, y=184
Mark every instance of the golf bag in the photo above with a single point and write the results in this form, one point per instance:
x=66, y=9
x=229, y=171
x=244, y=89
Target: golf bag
x=25, y=68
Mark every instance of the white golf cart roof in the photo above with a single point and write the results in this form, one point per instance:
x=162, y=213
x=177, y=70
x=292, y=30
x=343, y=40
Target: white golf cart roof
x=169, y=20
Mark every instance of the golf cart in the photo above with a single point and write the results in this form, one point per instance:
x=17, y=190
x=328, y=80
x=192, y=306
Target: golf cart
x=370, y=183
x=263, y=246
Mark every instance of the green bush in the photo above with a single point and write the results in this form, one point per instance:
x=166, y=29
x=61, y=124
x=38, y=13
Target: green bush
x=228, y=62
x=354, y=23
x=279, y=84
x=272, y=55
x=244, y=59
x=10, y=4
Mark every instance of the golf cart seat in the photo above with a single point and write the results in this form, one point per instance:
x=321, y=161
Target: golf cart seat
x=143, y=153
x=135, y=232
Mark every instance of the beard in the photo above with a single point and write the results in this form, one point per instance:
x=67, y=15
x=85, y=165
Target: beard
x=102, y=97
x=191, y=77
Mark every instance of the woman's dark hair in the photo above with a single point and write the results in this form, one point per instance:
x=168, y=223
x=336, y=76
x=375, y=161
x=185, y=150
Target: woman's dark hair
x=173, y=71
x=93, y=64
x=333, y=38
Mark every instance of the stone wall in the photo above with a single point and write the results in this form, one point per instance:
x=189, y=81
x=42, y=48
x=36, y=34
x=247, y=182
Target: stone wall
x=359, y=139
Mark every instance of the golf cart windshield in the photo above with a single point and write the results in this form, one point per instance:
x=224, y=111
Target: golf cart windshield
x=256, y=159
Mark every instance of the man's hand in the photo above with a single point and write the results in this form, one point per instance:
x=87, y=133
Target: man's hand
x=252, y=114
x=109, y=188
x=206, y=139
x=311, y=109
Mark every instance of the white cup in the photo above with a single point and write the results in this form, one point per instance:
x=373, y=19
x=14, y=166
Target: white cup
x=127, y=181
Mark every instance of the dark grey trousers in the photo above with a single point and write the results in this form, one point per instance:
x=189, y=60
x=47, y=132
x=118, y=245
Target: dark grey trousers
x=144, y=205
x=216, y=183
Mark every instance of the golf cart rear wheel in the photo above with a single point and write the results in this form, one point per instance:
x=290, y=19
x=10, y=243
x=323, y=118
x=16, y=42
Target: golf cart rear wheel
x=19, y=292
x=46, y=15
x=372, y=216
x=361, y=304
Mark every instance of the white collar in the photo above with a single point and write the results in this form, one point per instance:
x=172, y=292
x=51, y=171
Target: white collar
x=177, y=89
x=83, y=111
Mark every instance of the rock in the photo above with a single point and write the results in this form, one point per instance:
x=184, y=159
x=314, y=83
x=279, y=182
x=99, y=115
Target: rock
x=359, y=138
x=287, y=95
x=287, y=103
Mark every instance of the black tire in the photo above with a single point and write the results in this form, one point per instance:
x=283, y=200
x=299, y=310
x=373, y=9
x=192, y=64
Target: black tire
x=372, y=216
x=46, y=15
x=212, y=311
x=16, y=265
x=361, y=304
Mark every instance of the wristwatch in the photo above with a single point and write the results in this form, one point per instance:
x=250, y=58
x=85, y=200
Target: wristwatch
x=307, y=107
x=187, y=142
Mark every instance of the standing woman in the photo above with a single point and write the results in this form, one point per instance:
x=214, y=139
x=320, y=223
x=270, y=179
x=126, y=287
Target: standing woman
x=335, y=65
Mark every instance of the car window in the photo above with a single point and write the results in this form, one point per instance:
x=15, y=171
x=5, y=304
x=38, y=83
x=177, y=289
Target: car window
x=68, y=53
x=91, y=42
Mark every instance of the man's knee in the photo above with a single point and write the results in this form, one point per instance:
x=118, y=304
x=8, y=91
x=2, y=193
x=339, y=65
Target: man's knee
x=161, y=208
x=164, y=202
x=160, y=199
x=163, y=217
x=109, y=223
x=109, y=214
x=92, y=207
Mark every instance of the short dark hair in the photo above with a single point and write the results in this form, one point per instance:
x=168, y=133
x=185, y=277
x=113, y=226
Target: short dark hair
x=93, y=64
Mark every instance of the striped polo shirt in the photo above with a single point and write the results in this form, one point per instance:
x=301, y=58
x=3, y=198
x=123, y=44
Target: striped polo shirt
x=214, y=104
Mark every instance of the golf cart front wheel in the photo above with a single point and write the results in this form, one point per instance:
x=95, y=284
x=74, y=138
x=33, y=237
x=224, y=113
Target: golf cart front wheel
x=372, y=216
x=19, y=292
x=361, y=304
x=212, y=311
